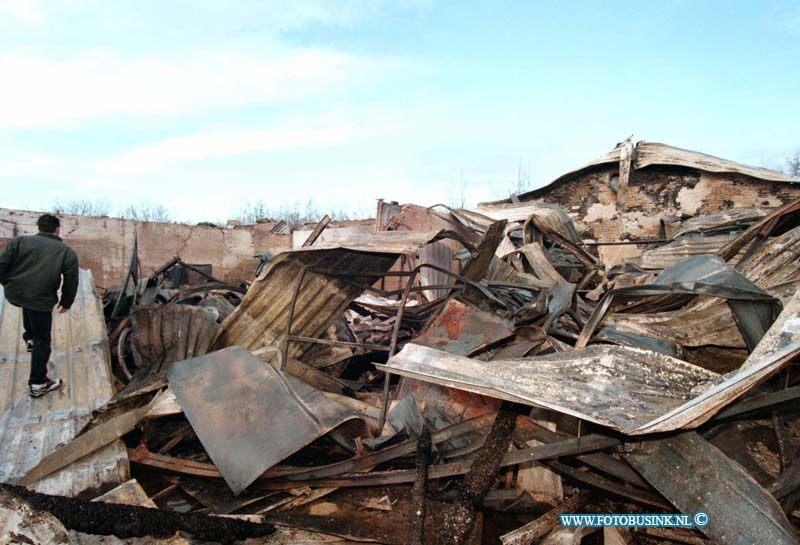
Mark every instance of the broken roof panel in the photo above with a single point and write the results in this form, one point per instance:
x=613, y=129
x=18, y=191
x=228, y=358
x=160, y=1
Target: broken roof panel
x=548, y=214
x=249, y=415
x=695, y=476
x=647, y=154
x=726, y=220
x=261, y=319
x=653, y=153
x=31, y=428
x=619, y=387
x=774, y=267
x=632, y=390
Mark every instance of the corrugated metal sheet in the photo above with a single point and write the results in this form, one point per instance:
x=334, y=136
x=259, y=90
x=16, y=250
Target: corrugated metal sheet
x=620, y=387
x=32, y=428
x=635, y=391
x=262, y=317
x=679, y=250
x=736, y=218
x=708, y=320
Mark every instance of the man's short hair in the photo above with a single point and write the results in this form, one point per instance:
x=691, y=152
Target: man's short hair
x=48, y=223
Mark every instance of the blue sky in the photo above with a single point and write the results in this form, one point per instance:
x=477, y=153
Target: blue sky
x=204, y=106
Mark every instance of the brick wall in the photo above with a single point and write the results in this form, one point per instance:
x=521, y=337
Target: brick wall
x=104, y=245
x=655, y=192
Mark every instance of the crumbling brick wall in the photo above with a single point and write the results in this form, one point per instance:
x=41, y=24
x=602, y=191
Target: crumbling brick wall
x=104, y=245
x=655, y=192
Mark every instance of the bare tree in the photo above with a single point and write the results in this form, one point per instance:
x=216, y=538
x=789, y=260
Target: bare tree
x=146, y=211
x=522, y=183
x=793, y=163
x=458, y=198
x=254, y=211
x=82, y=207
x=293, y=214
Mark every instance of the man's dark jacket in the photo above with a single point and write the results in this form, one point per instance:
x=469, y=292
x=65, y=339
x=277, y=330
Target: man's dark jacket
x=31, y=268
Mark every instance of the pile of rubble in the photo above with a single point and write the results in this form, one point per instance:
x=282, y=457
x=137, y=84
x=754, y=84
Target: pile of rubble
x=454, y=377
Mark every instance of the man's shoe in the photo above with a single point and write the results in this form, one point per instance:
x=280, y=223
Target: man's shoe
x=29, y=345
x=38, y=390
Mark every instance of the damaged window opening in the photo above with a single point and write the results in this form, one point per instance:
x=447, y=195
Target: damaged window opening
x=613, y=182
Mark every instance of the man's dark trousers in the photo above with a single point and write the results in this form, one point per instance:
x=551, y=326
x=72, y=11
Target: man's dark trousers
x=38, y=326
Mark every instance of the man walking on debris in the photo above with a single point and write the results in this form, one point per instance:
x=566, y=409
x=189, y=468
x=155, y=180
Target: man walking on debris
x=31, y=268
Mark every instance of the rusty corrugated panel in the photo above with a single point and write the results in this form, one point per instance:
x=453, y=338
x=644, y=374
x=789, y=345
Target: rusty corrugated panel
x=161, y=335
x=753, y=308
x=647, y=154
x=164, y=334
x=32, y=428
x=441, y=255
x=708, y=320
x=262, y=317
x=653, y=153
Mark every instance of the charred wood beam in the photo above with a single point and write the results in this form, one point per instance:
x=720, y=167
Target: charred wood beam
x=759, y=402
x=126, y=521
x=416, y=527
x=459, y=517
x=528, y=429
x=312, y=238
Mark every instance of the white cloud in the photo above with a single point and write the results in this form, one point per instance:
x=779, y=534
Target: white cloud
x=208, y=145
x=25, y=11
x=44, y=92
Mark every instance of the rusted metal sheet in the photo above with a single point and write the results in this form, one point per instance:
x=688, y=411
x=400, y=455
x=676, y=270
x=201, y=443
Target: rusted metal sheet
x=652, y=153
x=533, y=260
x=249, y=416
x=462, y=329
x=161, y=335
x=775, y=264
x=777, y=348
x=676, y=251
x=412, y=217
x=619, y=387
x=32, y=428
x=774, y=267
x=757, y=232
x=261, y=320
x=465, y=330
x=441, y=255
x=695, y=476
